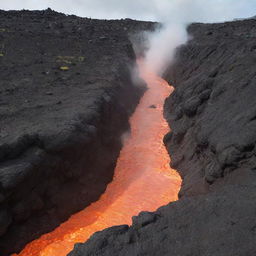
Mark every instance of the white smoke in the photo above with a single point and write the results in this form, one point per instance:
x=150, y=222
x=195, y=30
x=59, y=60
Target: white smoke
x=175, y=16
x=162, y=45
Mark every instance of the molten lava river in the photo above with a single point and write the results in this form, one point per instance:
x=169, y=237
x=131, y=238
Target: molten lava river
x=143, y=179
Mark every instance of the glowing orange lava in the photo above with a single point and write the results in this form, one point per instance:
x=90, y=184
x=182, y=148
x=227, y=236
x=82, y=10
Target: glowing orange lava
x=143, y=179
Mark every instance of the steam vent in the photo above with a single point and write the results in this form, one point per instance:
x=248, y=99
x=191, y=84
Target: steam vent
x=101, y=155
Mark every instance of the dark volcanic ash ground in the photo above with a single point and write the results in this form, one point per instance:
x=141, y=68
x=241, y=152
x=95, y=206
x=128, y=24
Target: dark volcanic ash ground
x=212, y=145
x=66, y=94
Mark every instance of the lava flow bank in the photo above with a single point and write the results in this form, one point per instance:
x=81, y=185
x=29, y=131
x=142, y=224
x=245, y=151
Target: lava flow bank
x=212, y=113
x=66, y=96
x=143, y=179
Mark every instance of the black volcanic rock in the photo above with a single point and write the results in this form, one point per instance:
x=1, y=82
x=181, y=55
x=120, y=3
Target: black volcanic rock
x=212, y=145
x=66, y=94
x=214, y=225
x=215, y=79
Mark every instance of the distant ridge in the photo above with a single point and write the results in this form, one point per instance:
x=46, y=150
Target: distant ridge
x=251, y=18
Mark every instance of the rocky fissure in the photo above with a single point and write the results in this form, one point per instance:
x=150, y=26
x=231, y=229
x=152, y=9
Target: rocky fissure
x=211, y=114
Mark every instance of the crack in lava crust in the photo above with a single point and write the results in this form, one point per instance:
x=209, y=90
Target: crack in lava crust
x=143, y=179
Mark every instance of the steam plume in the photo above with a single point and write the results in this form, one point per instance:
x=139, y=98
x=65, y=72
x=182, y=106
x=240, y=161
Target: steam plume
x=176, y=15
x=162, y=45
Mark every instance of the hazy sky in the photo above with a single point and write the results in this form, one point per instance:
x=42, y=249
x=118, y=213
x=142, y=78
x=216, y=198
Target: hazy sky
x=140, y=9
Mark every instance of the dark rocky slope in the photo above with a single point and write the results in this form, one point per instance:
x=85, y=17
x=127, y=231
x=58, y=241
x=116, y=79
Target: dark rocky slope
x=66, y=94
x=212, y=145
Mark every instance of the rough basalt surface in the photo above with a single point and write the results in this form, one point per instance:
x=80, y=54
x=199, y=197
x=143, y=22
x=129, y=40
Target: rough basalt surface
x=66, y=94
x=212, y=145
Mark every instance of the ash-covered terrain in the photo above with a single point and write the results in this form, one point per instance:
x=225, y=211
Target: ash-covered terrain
x=212, y=115
x=66, y=93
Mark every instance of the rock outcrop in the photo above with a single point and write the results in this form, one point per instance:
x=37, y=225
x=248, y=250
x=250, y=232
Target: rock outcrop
x=66, y=95
x=212, y=145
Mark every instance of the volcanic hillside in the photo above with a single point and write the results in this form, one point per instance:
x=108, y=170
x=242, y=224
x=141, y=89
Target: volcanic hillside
x=65, y=98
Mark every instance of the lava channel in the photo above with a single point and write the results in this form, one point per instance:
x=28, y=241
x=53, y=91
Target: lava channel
x=143, y=179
